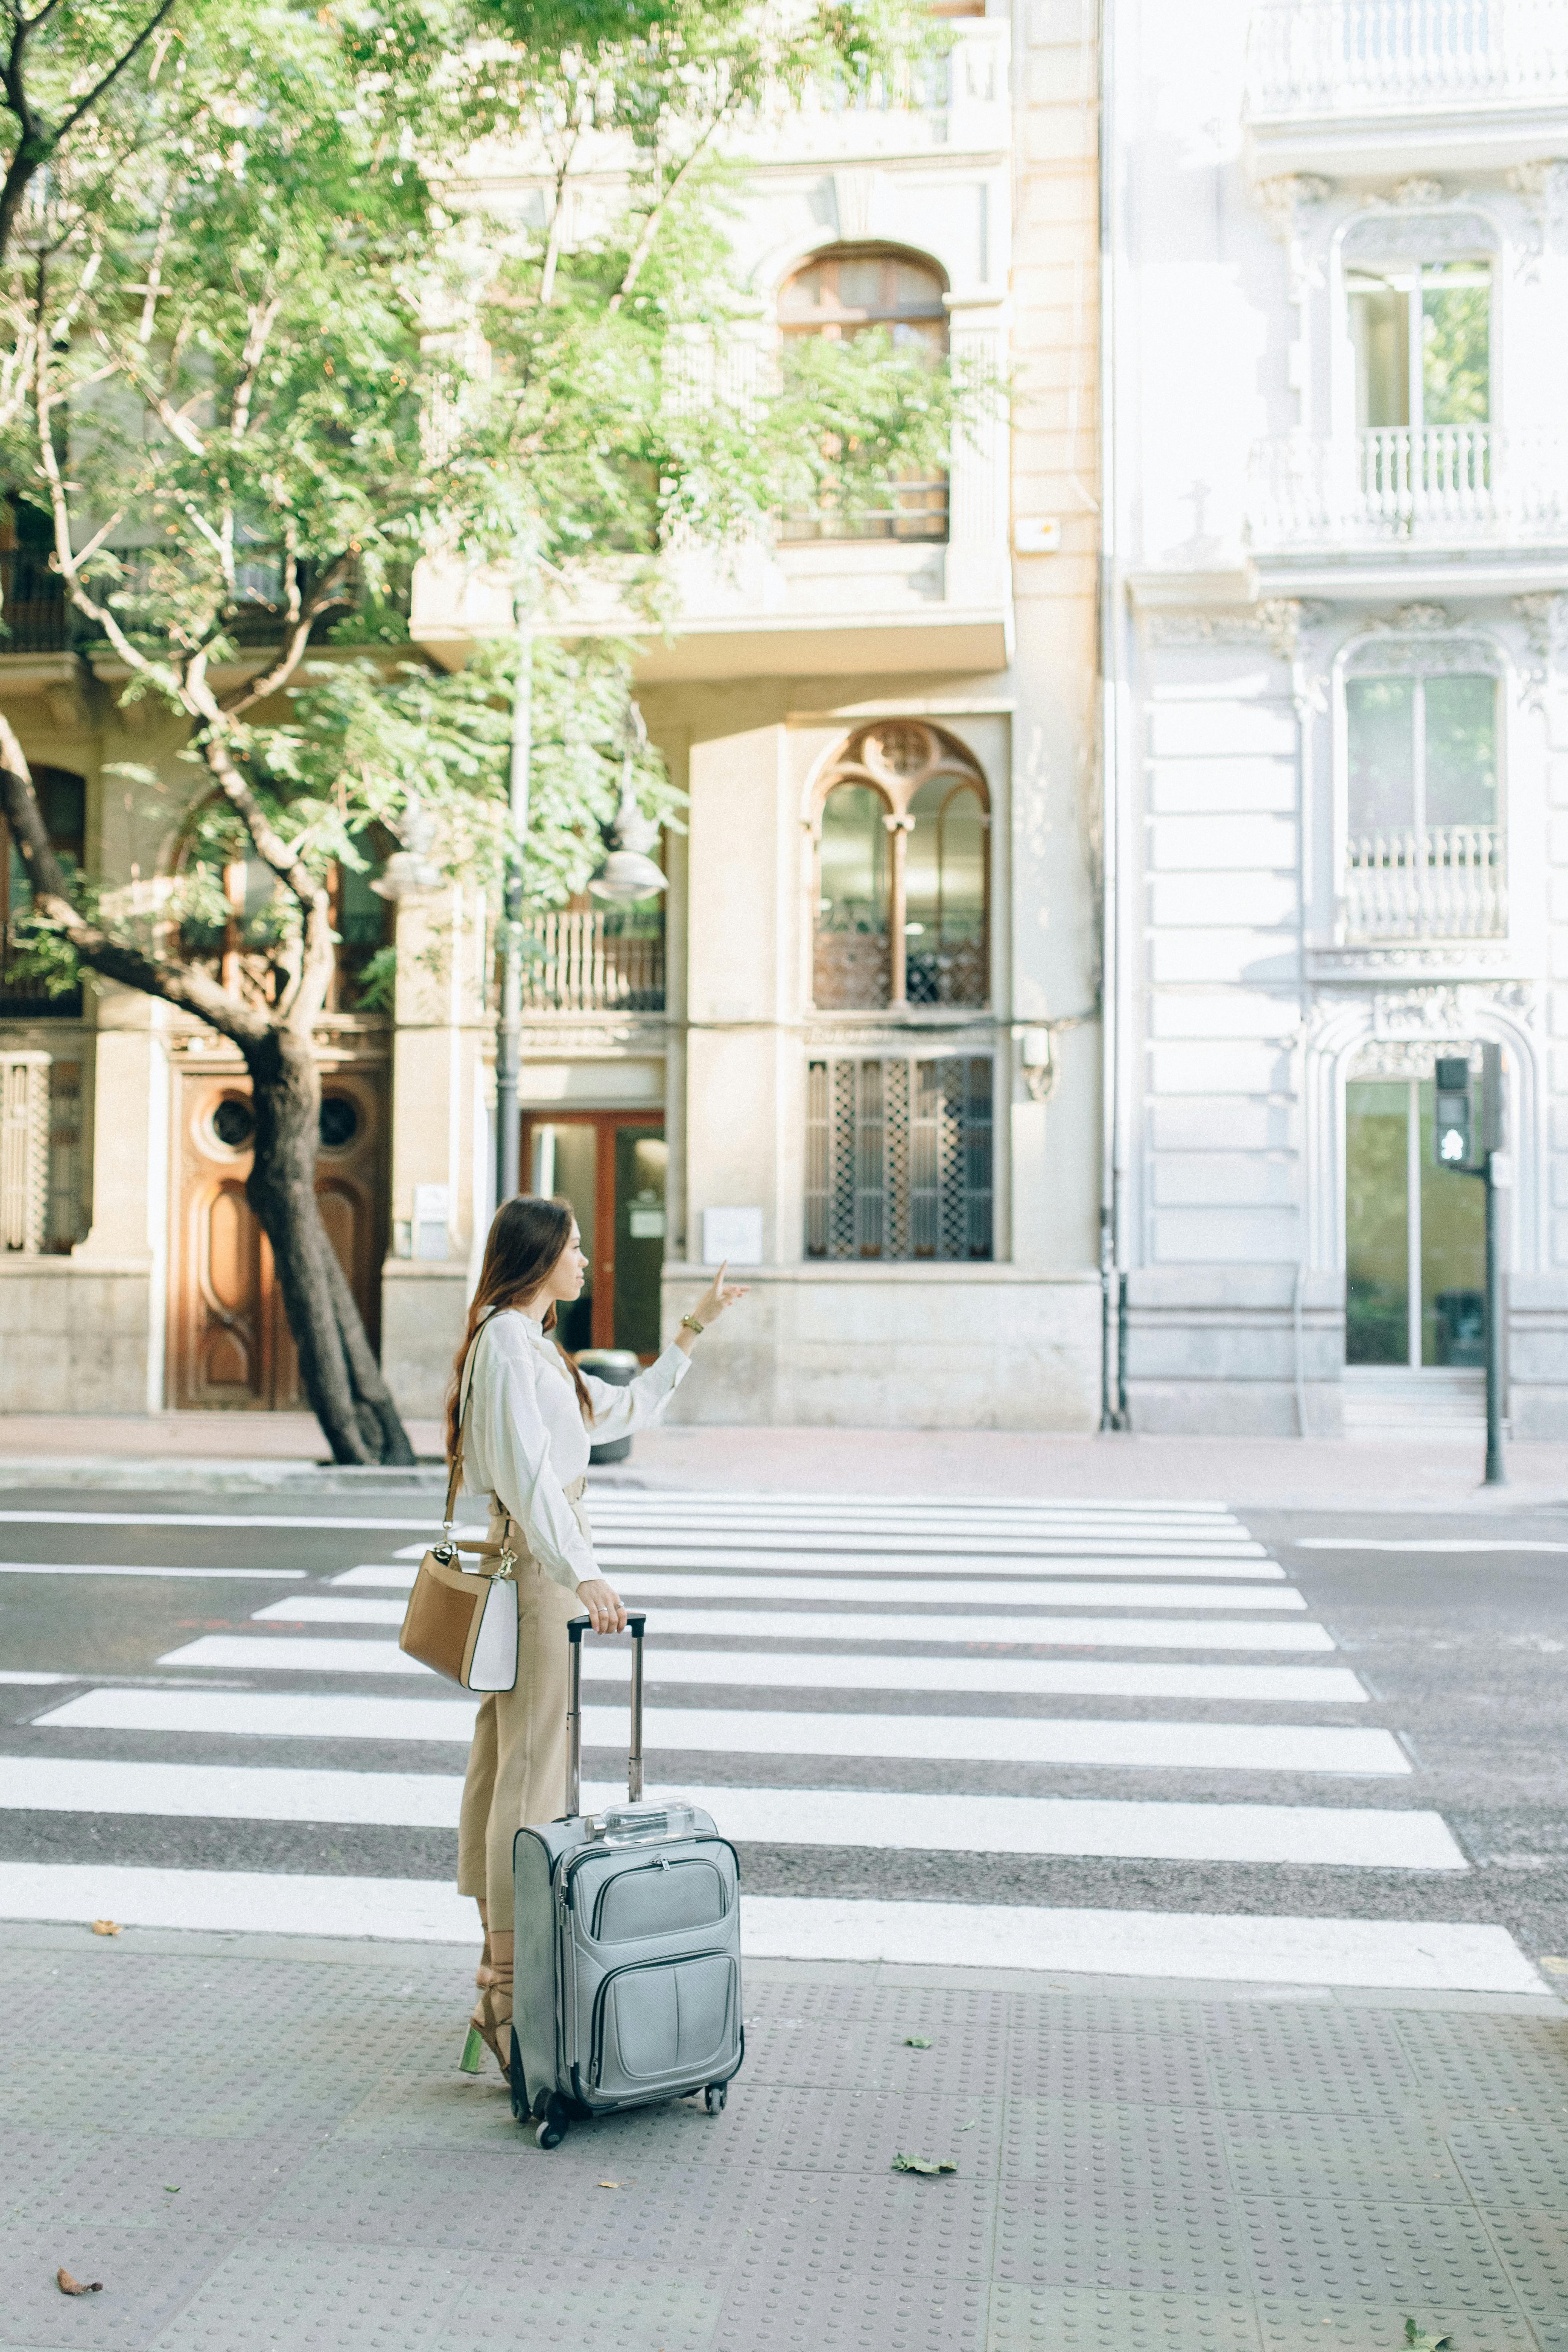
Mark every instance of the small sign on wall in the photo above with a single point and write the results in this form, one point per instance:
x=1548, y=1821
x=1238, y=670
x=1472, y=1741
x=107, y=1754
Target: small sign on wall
x=732, y=1234
x=432, y=1208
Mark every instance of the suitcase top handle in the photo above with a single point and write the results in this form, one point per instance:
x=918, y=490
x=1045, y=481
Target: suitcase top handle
x=636, y=1619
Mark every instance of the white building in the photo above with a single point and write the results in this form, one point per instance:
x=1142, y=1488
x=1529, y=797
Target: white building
x=858, y=1049
x=1338, y=799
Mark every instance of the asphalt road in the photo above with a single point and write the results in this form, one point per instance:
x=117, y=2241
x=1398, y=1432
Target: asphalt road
x=1464, y=1655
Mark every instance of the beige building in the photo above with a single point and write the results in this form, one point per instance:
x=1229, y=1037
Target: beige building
x=854, y=1048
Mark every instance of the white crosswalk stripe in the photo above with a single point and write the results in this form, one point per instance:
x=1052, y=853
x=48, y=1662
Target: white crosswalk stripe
x=927, y=1599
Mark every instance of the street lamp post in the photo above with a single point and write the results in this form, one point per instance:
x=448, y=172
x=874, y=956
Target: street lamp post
x=509, y=1038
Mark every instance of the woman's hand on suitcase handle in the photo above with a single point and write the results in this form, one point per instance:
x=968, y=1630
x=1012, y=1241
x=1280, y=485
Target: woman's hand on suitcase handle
x=603, y=1605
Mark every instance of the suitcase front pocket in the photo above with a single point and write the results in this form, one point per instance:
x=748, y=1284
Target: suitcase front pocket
x=665, y=2019
x=658, y=1899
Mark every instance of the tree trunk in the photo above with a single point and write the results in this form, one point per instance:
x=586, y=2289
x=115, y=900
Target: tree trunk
x=338, y=1372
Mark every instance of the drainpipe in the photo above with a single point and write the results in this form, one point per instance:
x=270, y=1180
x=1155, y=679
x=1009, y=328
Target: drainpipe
x=1113, y=1142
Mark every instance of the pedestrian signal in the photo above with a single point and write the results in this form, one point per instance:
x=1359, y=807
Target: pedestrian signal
x=1454, y=1113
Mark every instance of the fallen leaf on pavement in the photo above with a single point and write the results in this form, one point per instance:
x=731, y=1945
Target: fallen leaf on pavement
x=612, y=2184
x=917, y=2042
x=922, y=2164
x=106, y=1927
x=969, y=2126
x=170, y=2190
x=68, y=2285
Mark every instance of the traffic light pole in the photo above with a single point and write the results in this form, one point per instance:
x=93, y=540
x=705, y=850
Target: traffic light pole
x=1496, y=1473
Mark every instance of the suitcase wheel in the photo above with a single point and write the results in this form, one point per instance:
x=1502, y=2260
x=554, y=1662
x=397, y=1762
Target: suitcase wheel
x=550, y=2130
x=714, y=2096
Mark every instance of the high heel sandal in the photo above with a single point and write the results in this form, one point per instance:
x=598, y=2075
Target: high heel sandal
x=490, y=2029
x=483, y=2031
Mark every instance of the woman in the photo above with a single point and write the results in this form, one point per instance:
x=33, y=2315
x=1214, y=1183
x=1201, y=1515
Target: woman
x=524, y=1417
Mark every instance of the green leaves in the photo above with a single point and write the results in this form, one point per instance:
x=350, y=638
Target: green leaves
x=923, y=2165
x=1418, y=2340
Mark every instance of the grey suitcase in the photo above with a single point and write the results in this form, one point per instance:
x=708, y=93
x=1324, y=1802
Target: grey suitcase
x=627, y=1984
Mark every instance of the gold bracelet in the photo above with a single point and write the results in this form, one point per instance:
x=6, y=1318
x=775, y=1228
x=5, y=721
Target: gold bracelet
x=690, y=1323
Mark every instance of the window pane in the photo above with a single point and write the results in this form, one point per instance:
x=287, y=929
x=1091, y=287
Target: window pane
x=563, y=1166
x=862, y=283
x=1453, y=1255
x=642, y=1157
x=1377, y=1273
x=944, y=876
x=914, y=288
x=1380, y=332
x=1381, y=724
x=1461, y=750
x=852, y=962
x=1456, y=345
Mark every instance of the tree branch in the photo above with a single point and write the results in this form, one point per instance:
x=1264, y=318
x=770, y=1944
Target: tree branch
x=651, y=226
x=115, y=70
x=176, y=983
x=272, y=681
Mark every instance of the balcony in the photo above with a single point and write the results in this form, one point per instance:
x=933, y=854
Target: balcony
x=959, y=104
x=1404, y=83
x=1439, y=882
x=1440, y=486
x=595, y=962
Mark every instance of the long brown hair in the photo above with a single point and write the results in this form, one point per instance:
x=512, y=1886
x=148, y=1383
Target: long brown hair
x=526, y=1237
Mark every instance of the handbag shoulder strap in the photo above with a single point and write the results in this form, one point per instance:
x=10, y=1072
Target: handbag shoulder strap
x=455, y=1479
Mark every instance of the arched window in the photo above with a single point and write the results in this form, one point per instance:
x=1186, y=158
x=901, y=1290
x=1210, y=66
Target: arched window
x=902, y=873
x=856, y=289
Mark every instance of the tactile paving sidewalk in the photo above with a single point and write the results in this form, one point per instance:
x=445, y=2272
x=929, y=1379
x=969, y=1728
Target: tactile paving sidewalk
x=254, y=2144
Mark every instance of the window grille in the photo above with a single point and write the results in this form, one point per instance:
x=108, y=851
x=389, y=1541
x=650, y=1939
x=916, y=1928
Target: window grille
x=65, y=1224
x=24, y=1150
x=899, y=1158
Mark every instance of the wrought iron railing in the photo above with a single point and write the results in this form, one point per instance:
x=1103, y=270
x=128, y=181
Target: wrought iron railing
x=1340, y=56
x=594, y=963
x=1442, y=882
x=901, y=511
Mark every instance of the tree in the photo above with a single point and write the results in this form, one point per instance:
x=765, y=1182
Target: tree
x=271, y=345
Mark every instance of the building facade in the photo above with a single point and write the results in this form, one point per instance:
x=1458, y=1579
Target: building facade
x=854, y=1048
x=1339, y=239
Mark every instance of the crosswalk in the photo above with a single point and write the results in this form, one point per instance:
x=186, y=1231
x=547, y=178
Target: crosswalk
x=931, y=1678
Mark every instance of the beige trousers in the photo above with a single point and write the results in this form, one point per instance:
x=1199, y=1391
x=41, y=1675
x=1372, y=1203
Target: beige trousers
x=517, y=1764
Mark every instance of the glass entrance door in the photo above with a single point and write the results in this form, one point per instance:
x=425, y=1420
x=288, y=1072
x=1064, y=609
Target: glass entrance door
x=1414, y=1235
x=611, y=1166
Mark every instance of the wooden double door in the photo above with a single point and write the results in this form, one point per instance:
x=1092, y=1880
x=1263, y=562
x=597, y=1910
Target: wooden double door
x=610, y=1165
x=231, y=1346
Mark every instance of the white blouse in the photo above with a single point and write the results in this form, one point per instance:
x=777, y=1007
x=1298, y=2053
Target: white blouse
x=525, y=1439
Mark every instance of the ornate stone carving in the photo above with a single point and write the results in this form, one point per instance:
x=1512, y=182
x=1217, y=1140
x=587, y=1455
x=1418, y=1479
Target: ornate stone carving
x=1421, y=616
x=1279, y=622
x=1420, y=235
x=1447, y=1010
x=1294, y=191
x=1393, y=1057
x=1544, y=188
x=1546, y=619
x=1417, y=192
x=1430, y=649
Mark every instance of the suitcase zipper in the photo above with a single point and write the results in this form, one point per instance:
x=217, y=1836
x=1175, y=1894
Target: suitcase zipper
x=587, y=1853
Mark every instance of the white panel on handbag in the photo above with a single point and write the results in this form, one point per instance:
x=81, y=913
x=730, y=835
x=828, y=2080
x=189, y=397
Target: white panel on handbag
x=494, y=1663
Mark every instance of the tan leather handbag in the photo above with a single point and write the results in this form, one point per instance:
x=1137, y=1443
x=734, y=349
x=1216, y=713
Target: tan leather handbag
x=463, y=1621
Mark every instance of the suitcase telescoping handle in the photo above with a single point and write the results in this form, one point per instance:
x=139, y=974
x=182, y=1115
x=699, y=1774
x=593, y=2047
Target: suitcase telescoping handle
x=575, y=1628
